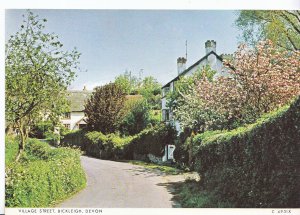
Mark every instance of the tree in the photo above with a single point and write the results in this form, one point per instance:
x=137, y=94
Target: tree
x=281, y=27
x=128, y=83
x=261, y=80
x=103, y=108
x=135, y=116
x=150, y=89
x=38, y=73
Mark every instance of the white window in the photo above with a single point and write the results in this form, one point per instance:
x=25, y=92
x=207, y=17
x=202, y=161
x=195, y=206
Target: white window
x=165, y=115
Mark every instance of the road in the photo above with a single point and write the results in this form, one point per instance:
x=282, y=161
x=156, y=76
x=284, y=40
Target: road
x=113, y=184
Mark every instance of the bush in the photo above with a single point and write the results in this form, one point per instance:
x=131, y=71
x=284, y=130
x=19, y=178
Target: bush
x=74, y=139
x=102, y=146
x=152, y=141
x=40, y=129
x=11, y=150
x=137, y=117
x=256, y=165
x=44, y=176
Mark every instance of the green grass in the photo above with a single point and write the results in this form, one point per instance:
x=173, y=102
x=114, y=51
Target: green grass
x=190, y=194
x=11, y=150
x=43, y=176
x=165, y=169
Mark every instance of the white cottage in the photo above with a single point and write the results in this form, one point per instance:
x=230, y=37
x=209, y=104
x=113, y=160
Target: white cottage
x=75, y=119
x=211, y=58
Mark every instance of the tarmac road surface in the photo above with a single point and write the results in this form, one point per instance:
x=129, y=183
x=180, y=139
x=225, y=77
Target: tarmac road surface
x=113, y=184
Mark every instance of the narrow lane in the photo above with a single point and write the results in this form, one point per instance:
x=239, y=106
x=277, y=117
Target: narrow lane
x=122, y=185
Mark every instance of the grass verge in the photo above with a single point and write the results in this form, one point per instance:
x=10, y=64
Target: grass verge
x=43, y=176
x=190, y=194
x=165, y=169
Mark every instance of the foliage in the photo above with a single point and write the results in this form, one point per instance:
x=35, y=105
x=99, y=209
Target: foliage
x=154, y=117
x=281, y=27
x=150, y=89
x=192, y=195
x=103, y=108
x=151, y=141
x=113, y=146
x=74, y=139
x=255, y=165
x=260, y=81
x=188, y=110
x=40, y=128
x=44, y=177
x=127, y=82
x=11, y=150
x=102, y=146
x=136, y=118
x=37, y=73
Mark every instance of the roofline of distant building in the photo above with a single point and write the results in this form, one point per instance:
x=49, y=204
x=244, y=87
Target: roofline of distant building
x=192, y=66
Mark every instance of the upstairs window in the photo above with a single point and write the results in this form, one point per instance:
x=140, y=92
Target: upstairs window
x=165, y=115
x=165, y=91
x=67, y=115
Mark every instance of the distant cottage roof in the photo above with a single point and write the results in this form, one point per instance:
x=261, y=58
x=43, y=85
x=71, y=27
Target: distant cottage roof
x=77, y=99
x=192, y=66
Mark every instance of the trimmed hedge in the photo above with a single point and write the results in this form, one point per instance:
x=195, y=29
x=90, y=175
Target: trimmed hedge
x=74, y=139
x=44, y=177
x=112, y=146
x=152, y=141
x=102, y=146
x=257, y=165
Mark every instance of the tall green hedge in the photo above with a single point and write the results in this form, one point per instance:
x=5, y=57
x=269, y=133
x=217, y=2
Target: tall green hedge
x=152, y=141
x=113, y=146
x=44, y=176
x=257, y=165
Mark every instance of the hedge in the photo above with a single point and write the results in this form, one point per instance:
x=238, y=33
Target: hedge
x=112, y=146
x=102, y=146
x=152, y=141
x=257, y=165
x=44, y=177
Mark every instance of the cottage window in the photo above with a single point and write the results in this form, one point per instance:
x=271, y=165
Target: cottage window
x=165, y=91
x=67, y=126
x=67, y=115
x=165, y=115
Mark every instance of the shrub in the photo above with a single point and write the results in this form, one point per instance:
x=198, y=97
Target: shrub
x=136, y=117
x=44, y=177
x=109, y=146
x=11, y=149
x=74, y=139
x=152, y=141
x=103, y=108
x=256, y=165
x=40, y=129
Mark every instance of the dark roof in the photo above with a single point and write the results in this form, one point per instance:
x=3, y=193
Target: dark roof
x=192, y=66
x=77, y=99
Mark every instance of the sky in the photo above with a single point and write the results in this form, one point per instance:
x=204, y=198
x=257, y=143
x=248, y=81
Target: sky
x=145, y=42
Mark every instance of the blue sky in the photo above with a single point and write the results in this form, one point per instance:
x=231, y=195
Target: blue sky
x=113, y=41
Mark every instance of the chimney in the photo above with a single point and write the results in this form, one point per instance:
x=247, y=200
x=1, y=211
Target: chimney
x=181, y=64
x=210, y=45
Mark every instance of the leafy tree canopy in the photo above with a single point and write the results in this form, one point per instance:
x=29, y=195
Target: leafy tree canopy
x=103, y=108
x=37, y=73
x=281, y=27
